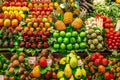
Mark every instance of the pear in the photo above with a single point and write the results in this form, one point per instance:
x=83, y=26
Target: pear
x=60, y=74
x=73, y=62
x=78, y=73
x=68, y=71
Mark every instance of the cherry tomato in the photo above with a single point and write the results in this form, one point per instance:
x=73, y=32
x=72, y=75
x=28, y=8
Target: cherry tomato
x=106, y=25
x=115, y=47
x=110, y=47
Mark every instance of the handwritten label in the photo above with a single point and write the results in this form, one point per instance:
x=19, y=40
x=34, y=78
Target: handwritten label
x=1, y=77
x=80, y=63
x=32, y=60
x=118, y=25
x=49, y=62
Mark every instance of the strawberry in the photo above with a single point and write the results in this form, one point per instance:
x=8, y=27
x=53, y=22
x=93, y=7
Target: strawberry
x=29, y=33
x=47, y=33
x=44, y=38
x=33, y=45
x=25, y=38
x=43, y=62
x=22, y=44
x=46, y=45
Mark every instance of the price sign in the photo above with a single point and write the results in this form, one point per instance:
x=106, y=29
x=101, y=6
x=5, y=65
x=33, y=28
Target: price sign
x=80, y=63
x=32, y=60
x=1, y=77
x=49, y=62
x=118, y=25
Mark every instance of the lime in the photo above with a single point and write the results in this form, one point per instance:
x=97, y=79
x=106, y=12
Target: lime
x=74, y=33
x=55, y=34
x=68, y=34
x=62, y=46
x=60, y=39
x=72, y=40
x=83, y=45
x=69, y=46
x=76, y=46
x=56, y=46
x=83, y=34
x=62, y=33
x=66, y=40
x=79, y=40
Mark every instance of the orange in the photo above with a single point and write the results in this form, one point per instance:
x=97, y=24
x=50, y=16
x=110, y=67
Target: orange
x=26, y=29
x=18, y=17
x=46, y=5
x=36, y=72
x=29, y=24
x=14, y=23
x=40, y=5
x=47, y=24
x=1, y=22
x=13, y=16
x=43, y=29
x=101, y=69
x=30, y=5
x=7, y=22
x=51, y=4
x=18, y=28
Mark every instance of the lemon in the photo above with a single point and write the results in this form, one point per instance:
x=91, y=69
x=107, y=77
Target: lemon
x=24, y=8
x=14, y=8
x=20, y=12
x=10, y=12
x=23, y=15
x=4, y=8
x=8, y=8
x=16, y=12
x=56, y=4
x=5, y=12
x=18, y=8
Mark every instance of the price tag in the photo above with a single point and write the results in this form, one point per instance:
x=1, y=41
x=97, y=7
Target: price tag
x=80, y=63
x=118, y=25
x=1, y=77
x=32, y=60
x=49, y=62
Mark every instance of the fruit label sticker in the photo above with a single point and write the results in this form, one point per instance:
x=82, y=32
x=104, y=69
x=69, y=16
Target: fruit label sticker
x=49, y=62
x=1, y=77
x=80, y=63
x=32, y=60
x=118, y=26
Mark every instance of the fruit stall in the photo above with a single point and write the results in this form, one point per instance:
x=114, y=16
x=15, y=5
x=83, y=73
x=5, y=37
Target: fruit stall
x=59, y=39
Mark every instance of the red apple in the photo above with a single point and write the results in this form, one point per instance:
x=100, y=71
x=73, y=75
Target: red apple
x=42, y=12
x=18, y=4
x=7, y=16
x=24, y=4
x=40, y=9
x=12, y=3
x=47, y=12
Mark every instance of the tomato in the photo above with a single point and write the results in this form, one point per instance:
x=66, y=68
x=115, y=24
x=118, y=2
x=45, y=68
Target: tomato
x=111, y=37
x=104, y=18
x=111, y=29
x=110, y=47
x=107, y=35
x=115, y=38
x=106, y=25
x=111, y=25
x=108, y=20
x=109, y=42
x=115, y=47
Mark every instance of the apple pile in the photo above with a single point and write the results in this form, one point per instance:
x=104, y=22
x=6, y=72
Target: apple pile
x=40, y=1
x=41, y=11
x=15, y=3
x=97, y=64
x=35, y=39
x=69, y=40
x=112, y=39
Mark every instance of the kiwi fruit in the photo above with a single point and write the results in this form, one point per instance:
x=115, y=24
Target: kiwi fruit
x=22, y=65
x=14, y=57
x=10, y=65
x=6, y=77
x=25, y=73
x=22, y=77
x=22, y=54
x=11, y=78
x=11, y=70
x=21, y=70
x=21, y=58
x=15, y=63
